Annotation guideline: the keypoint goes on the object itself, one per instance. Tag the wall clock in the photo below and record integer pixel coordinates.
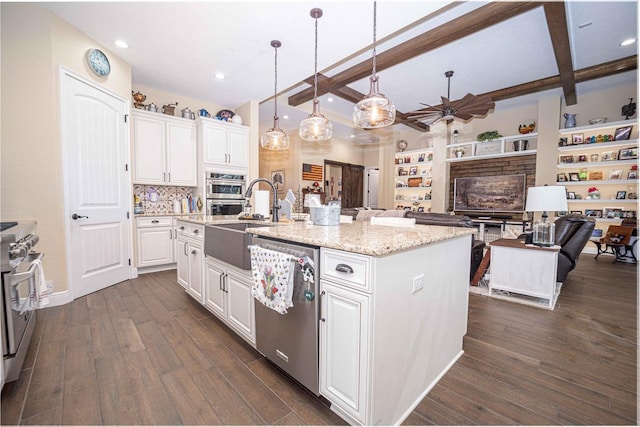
(402, 145)
(98, 62)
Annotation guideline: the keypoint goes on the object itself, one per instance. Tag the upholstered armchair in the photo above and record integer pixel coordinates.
(572, 234)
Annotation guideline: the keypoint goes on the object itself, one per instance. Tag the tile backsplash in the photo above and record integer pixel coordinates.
(166, 196)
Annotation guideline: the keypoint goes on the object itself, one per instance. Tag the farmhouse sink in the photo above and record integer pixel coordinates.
(228, 242)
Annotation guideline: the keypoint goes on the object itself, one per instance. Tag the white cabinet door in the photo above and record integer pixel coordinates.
(155, 246)
(195, 272)
(215, 144)
(237, 147)
(149, 151)
(240, 304)
(343, 348)
(182, 258)
(215, 296)
(182, 155)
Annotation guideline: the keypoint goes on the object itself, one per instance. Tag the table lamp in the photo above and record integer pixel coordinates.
(543, 199)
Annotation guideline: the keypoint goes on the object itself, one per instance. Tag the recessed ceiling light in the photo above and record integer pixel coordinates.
(121, 43)
(329, 99)
(220, 76)
(627, 42)
(352, 136)
(285, 117)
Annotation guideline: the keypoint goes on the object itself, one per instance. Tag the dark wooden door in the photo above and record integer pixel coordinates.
(352, 186)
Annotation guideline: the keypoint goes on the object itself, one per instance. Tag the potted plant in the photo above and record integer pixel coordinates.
(489, 135)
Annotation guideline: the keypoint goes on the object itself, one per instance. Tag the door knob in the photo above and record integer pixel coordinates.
(76, 216)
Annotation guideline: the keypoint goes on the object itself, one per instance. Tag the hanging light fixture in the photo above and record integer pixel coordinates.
(375, 110)
(275, 138)
(316, 127)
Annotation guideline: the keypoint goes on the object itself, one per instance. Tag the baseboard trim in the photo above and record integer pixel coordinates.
(156, 268)
(59, 298)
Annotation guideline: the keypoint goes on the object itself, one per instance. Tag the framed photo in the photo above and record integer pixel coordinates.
(426, 182)
(612, 212)
(620, 195)
(402, 172)
(420, 208)
(622, 133)
(594, 157)
(628, 153)
(566, 159)
(414, 182)
(595, 213)
(421, 157)
(413, 170)
(571, 195)
(577, 138)
(574, 176)
(615, 174)
(562, 177)
(632, 175)
(277, 177)
(582, 158)
(597, 232)
(430, 157)
(607, 156)
(596, 176)
(400, 161)
(577, 212)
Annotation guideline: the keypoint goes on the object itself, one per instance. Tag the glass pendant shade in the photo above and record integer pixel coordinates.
(375, 110)
(275, 138)
(316, 127)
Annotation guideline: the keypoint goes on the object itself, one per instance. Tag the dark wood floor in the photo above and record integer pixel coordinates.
(143, 352)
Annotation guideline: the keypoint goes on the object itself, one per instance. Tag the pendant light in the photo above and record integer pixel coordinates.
(275, 138)
(316, 127)
(375, 110)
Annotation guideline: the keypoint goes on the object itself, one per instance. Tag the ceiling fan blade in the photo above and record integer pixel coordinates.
(466, 100)
(430, 119)
(445, 102)
(463, 116)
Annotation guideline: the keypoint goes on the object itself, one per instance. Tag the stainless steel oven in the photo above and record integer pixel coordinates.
(19, 293)
(225, 206)
(225, 186)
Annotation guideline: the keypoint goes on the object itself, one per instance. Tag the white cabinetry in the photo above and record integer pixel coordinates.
(224, 144)
(228, 296)
(165, 150)
(190, 258)
(155, 241)
(506, 146)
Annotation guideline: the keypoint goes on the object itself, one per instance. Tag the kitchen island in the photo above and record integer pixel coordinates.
(394, 304)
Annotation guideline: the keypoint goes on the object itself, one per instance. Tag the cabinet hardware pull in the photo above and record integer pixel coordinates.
(169, 176)
(196, 231)
(220, 280)
(193, 252)
(225, 283)
(344, 268)
(185, 250)
(182, 228)
(322, 319)
(322, 293)
(155, 221)
(164, 177)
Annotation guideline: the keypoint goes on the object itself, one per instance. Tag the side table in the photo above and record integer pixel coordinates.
(519, 272)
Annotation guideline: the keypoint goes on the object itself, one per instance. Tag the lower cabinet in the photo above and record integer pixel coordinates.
(228, 296)
(155, 241)
(189, 258)
(344, 340)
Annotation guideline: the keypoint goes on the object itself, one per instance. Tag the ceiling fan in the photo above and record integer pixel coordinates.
(464, 109)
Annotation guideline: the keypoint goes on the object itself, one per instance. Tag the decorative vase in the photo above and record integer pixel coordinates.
(571, 120)
(237, 119)
(520, 145)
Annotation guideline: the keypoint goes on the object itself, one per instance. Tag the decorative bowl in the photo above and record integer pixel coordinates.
(598, 120)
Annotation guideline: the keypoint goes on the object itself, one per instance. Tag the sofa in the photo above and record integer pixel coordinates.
(429, 218)
(573, 231)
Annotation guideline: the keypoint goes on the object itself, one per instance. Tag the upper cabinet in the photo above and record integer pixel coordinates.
(506, 146)
(224, 144)
(165, 150)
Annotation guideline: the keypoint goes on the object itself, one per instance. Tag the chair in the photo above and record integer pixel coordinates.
(573, 231)
(620, 241)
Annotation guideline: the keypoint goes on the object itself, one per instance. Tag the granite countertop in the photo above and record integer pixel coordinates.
(360, 236)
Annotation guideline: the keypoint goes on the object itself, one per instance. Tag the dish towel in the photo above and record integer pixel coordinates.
(42, 287)
(272, 274)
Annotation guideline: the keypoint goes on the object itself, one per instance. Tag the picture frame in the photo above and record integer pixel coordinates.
(612, 213)
(420, 208)
(595, 213)
(277, 177)
(622, 133)
(596, 176)
(632, 175)
(608, 156)
(562, 177)
(574, 176)
(426, 182)
(413, 170)
(566, 159)
(414, 182)
(576, 212)
(582, 158)
(402, 172)
(628, 154)
(594, 157)
(621, 195)
(615, 174)
(430, 157)
(571, 195)
(577, 138)
(421, 157)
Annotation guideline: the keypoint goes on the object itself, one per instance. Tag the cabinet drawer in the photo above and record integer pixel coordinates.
(346, 268)
(154, 221)
(196, 231)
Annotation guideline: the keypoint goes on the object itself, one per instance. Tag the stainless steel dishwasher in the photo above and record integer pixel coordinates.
(291, 340)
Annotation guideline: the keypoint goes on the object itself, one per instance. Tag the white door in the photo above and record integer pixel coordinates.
(240, 302)
(155, 246)
(97, 184)
(215, 144)
(149, 151)
(215, 295)
(237, 147)
(182, 153)
(371, 188)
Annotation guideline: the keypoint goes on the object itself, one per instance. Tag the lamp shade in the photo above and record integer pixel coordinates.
(547, 198)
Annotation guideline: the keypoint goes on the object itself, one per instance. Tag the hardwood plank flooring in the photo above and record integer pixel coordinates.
(144, 352)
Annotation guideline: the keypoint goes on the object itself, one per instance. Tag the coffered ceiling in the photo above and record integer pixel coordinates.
(504, 49)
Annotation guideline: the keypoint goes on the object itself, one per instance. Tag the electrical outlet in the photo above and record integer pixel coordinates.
(418, 283)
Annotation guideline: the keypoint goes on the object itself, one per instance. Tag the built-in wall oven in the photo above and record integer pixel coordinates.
(19, 292)
(225, 193)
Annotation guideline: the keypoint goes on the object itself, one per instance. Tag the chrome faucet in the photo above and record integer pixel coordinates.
(276, 206)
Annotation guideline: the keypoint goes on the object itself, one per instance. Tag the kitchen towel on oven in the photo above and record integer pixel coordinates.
(272, 273)
(43, 288)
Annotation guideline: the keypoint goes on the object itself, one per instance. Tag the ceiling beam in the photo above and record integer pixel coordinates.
(556, 15)
(456, 29)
